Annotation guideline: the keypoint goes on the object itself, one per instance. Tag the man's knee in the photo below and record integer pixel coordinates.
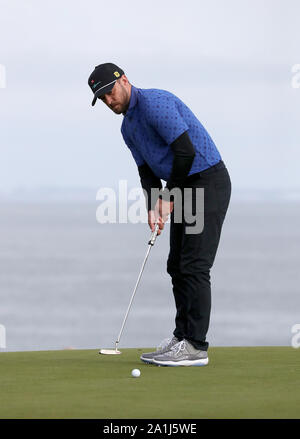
(199, 267)
(173, 268)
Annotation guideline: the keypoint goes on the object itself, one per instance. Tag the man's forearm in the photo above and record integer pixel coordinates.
(184, 153)
(149, 181)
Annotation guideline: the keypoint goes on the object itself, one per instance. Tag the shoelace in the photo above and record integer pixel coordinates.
(164, 343)
(177, 348)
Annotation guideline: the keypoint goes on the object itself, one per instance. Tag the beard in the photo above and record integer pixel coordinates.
(122, 107)
(118, 109)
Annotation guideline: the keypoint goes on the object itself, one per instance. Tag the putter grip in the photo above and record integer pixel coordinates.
(153, 235)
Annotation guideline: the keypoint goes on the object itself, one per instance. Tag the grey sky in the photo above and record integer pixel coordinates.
(230, 61)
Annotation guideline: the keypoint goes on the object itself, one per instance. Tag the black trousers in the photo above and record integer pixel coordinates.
(191, 255)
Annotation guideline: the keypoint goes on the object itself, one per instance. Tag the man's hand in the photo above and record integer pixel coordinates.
(160, 214)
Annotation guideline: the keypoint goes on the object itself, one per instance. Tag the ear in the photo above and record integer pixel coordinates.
(124, 80)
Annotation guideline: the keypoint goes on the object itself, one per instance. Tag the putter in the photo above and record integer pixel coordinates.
(150, 244)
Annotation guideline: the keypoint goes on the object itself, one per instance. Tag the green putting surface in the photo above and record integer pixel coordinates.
(255, 382)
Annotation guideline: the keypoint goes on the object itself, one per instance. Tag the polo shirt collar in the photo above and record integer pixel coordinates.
(133, 100)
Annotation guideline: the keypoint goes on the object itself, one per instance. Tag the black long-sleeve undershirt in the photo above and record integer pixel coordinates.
(184, 153)
(148, 181)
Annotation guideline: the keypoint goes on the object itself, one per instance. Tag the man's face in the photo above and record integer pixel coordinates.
(118, 98)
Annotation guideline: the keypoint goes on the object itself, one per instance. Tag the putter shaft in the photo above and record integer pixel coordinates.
(150, 244)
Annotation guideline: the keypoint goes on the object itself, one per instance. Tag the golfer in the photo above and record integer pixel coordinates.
(168, 142)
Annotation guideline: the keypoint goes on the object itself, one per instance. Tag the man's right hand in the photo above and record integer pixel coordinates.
(152, 218)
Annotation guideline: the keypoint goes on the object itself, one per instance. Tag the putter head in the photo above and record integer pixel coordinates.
(109, 351)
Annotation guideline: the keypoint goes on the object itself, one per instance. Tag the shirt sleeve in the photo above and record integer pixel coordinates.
(164, 117)
(149, 181)
(139, 160)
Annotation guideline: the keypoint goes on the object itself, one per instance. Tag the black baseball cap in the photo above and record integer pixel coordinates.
(103, 79)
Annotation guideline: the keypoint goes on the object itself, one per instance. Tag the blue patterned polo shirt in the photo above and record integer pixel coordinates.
(154, 119)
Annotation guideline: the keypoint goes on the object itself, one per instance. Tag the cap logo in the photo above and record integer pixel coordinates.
(117, 74)
(95, 85)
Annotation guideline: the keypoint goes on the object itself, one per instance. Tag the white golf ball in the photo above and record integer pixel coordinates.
(135, 373)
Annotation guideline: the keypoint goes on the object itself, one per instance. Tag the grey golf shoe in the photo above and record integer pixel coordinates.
(164, 347)
(182, 354)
